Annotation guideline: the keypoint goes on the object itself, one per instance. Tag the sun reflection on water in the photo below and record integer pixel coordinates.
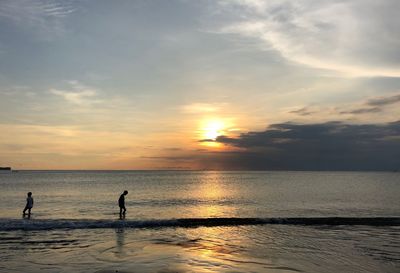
(215, 195)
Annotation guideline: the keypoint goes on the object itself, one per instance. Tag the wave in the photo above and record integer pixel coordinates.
(42, 224)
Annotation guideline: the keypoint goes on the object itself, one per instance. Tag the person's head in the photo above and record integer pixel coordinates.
(29, 194)
(125, 192)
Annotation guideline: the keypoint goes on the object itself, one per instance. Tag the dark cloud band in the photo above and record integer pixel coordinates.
(324, 146)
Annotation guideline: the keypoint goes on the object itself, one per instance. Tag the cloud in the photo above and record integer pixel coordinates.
(43, 15)
(375, 105)
(80, 94)
(353, 38)
(200, 108)
(77, 97)
(304, 111)
(16, 90)
(383, 101)
(322, 146)
(169, 158)
(173, 149)
(363, 111)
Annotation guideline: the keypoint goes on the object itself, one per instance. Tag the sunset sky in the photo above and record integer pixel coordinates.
(180, 84)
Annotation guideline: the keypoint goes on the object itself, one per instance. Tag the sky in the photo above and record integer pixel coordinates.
(200, 85)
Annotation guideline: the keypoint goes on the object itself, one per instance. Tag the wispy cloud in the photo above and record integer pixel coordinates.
(374, 105)
(353, 38)
(304, 111)
(16, 90)
(382, 101)
(365, 110)
(78, 94)
(200, 108)
(44, 15)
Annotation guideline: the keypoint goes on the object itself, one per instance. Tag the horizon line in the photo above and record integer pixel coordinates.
(198, 170)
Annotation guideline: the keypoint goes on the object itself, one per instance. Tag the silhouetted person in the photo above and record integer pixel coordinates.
(121, 203)
(29, 204)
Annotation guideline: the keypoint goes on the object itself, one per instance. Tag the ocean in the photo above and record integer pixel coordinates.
(200, 221)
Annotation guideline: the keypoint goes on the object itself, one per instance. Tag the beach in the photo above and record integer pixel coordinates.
(252, 136)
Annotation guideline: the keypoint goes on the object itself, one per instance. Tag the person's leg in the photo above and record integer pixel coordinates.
(23, 212)
(124, 210)
(120, 210)
(29, 211)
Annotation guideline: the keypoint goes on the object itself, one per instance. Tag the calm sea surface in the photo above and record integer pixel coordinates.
(75, 225)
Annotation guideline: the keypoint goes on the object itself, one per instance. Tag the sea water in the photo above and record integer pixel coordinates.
(181, 221)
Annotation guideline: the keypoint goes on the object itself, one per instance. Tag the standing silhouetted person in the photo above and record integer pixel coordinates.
(29, 204)
(121, 203)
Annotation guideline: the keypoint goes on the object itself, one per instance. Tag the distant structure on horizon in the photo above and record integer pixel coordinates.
(7, 169)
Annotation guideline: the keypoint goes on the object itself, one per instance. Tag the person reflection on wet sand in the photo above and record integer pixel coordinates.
(120, 241)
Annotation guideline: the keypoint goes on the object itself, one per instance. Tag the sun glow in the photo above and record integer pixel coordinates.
(210, 130)
(213, 129)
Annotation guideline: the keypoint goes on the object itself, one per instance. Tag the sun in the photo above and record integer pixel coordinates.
(212, 129)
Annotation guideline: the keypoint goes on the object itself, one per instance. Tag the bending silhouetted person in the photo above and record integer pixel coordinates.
(29, 204)
(121, 203)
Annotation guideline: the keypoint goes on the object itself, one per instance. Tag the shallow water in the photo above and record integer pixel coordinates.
(75, 227)
(171, 194)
